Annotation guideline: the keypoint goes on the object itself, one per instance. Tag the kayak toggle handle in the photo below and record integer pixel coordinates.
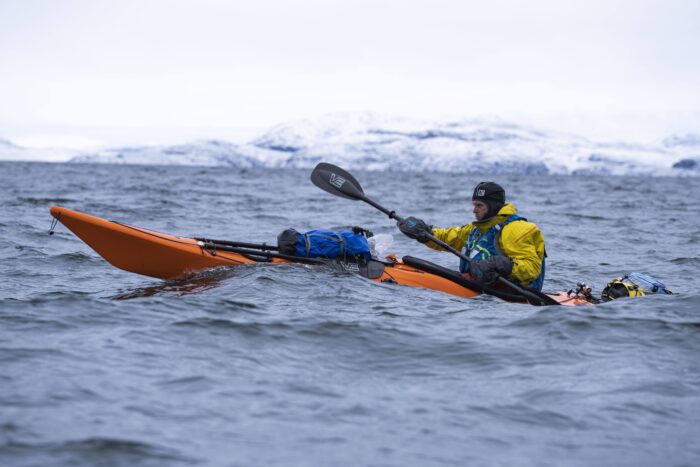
(54, 223)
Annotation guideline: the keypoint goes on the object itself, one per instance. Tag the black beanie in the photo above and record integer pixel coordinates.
(492, 194)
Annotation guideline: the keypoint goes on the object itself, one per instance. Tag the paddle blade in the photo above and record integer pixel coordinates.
(336, 181)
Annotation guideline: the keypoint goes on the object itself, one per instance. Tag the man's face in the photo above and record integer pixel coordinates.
(480, 210)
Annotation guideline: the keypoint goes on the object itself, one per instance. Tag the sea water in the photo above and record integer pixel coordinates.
(295, 365)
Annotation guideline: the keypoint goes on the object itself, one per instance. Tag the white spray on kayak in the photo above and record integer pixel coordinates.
(380, 245)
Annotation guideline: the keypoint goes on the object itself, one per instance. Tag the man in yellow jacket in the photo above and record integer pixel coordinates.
(499, 242)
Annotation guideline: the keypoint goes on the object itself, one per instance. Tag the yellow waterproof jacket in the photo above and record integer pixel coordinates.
(521, 241)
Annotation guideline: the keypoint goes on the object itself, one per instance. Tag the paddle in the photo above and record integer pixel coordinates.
(339, 182)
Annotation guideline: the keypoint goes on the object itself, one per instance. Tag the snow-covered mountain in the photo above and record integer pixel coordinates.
(379, 142)
(12, 152)
(199, 153)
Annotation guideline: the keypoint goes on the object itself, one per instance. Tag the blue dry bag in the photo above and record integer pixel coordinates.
(344, 245)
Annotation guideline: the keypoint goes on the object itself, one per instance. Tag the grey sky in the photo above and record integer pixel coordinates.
(253, 64)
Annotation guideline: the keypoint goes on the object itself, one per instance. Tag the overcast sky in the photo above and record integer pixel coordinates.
(614, 68)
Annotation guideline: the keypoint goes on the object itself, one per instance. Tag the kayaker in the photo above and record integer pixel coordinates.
(499, 242)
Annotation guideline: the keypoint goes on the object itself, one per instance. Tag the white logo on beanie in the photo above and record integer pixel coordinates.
(481, 193)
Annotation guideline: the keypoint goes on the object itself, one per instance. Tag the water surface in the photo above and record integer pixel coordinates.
(293, 365)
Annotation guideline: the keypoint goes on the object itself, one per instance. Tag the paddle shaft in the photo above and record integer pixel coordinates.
(528, 295)
(391, 214)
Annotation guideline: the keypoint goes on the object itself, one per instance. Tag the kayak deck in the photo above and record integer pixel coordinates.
(165, 256)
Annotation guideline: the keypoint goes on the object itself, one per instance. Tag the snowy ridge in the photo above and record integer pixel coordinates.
(11, 152)
(199, 153)
(379, 142)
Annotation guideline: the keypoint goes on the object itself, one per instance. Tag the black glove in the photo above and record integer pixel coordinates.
(488, 270)
(415, 228)
(361, 231)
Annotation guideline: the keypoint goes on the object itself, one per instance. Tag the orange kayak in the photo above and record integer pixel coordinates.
(165, 256)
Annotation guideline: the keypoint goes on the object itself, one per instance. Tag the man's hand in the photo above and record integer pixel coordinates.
(415, 228)
(488, 270)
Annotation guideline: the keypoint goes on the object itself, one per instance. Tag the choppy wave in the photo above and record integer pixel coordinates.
(92, 451)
